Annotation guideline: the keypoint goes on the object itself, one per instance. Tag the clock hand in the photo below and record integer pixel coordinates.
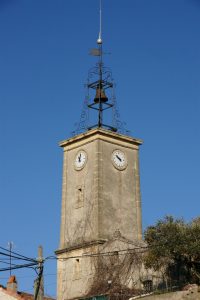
(79, 158)
(118, 157)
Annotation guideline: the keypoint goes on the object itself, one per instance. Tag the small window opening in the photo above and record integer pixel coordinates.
(79, 197)
(148, 286)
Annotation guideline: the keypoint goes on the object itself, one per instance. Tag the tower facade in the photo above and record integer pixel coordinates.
(100, 196)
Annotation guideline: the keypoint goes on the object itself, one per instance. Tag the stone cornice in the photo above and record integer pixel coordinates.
(80, 246)
(101, 134)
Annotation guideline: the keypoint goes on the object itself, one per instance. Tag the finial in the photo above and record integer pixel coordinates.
(100, 41)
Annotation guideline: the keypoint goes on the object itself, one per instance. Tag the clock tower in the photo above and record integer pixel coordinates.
(100, 196)
(101, 205)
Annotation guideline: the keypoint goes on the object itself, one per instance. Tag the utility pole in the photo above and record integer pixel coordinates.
(39, 282)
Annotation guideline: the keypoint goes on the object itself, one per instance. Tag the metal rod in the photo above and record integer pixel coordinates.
(100, 15)
(10, 246)
(100, 87)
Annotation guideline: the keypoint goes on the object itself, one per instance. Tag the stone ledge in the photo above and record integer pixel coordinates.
(80, 246)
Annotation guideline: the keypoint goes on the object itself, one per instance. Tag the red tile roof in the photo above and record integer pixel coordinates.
(20, 295)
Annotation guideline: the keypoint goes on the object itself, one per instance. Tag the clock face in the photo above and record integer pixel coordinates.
(119, 159)
(80, 160)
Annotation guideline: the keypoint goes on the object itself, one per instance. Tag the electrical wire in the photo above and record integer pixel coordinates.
(19, 258)
(7, 263)
(39, 281)
(35, 262)
(30, 276)
(19, 255)
(108, 253)
(111, 253)
(18, 267)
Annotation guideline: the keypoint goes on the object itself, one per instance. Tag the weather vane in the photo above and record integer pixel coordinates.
(100, 80)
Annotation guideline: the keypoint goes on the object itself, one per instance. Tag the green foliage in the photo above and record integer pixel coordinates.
(174, 249)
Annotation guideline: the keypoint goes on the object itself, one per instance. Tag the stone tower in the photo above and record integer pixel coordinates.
(101, 206)
(100, 196)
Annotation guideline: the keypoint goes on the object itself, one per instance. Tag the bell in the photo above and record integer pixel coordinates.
(100, 95)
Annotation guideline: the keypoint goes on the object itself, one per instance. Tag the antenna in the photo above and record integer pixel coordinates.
(10, 246)
(99, 41)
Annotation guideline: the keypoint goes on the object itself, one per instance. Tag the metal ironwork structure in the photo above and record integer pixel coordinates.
(101, 82)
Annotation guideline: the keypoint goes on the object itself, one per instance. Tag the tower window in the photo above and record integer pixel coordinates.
(77, 269)
(79, 202)
(148, 286)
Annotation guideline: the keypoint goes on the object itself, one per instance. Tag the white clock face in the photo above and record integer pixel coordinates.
(80, 160)
(119, 159)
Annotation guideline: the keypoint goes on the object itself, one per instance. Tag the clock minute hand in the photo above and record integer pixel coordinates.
(118, 157)
(79, 158)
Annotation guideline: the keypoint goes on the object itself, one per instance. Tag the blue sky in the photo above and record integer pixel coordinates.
(155, 59)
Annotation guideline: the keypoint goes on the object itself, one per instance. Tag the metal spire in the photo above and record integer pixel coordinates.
(99, 87)
(102, 82)
(100, 79)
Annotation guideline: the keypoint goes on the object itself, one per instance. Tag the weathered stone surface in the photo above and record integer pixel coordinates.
(97, 201)
(182, 295)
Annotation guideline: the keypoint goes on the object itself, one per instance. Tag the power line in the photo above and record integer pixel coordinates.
(30, 276)
(7, 263)
(35, 262)
(116, 252)
(19, 267)
(108, 253)
(19, 256)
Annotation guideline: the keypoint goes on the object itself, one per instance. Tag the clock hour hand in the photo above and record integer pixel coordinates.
(118, 158)
(79, 158)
